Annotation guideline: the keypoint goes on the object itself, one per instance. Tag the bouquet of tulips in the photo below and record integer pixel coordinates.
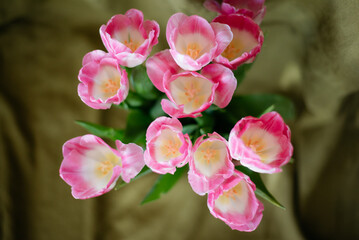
(182, 112)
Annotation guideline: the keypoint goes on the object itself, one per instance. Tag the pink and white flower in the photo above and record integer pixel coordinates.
(246, 43)
(166, 146)
(189, 92)
(261, 144)
(92, 168)
(103, 82)
(129, 38)
(254, 9)
(194, 42)
(235, 203)
(210, 163)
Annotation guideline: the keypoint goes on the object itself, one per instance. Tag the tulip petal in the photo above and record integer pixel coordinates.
(159, 64)
(227, 83)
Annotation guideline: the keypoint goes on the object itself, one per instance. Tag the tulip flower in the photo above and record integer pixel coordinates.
(210, 163)
(129, 38)
(261, 144)
(246, 44)
(235, 203)
(254, 9)
(92, 168)
(103, 82)
(194, 42)
(189, 92)
(166, 146)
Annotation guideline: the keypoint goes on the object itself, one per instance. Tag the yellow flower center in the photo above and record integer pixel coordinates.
(233, 50)
(111, 86)
(109, 161)
(170, 149)
(131, 44)
(193, 50)
(206, 154)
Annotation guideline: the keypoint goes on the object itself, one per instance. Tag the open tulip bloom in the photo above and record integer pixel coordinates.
(190, 93)
(246, 43)
(92, 168)
(235, 203)
(261, 144)
(103, 82)
(194, 42)
(210, 164)
(167, 147)
(200, 69)
(129, 38)
(254, 9)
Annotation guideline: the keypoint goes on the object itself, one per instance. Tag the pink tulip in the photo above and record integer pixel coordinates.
(261, 144)
(210, 163)
(129, 38)
(103, 82)
(246, 44)
(235, 203)
(194, 42)
(167, 147)
(254, 9)
(92, 168)
(190, 93)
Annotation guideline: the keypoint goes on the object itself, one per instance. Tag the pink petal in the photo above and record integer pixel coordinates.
(155, 127)
(132, 160)
(223, 36)
(158, 65)
(227, 83)
(94, 56)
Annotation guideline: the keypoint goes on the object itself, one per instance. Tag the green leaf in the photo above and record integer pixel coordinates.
(102, 131)
(133, 100)
(269, 109)
(189, 128)
(261, 189)
(256, 104)
(137, 124)
(163, 184)
(145, 170)
(241, 71)
(142, 84)
(156, 110)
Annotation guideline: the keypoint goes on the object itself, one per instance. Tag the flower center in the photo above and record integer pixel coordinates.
(111, 86)
(234, 200)
(192, 92)
(131, 44)
(262, 143)
(105, 167)
(107, 163)
(210, 157)
(171, 149)
(193, 50)
(231, 193)
(233, 50)
(168, 145)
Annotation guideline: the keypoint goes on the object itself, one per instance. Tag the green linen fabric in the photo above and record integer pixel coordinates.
(310, 54)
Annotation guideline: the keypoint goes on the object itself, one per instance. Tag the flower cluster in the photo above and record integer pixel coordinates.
(196, 72)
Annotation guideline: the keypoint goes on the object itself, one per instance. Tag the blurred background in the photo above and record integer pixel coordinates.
(310, 54)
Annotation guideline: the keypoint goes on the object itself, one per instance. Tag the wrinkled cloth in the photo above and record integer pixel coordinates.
(310, 54)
